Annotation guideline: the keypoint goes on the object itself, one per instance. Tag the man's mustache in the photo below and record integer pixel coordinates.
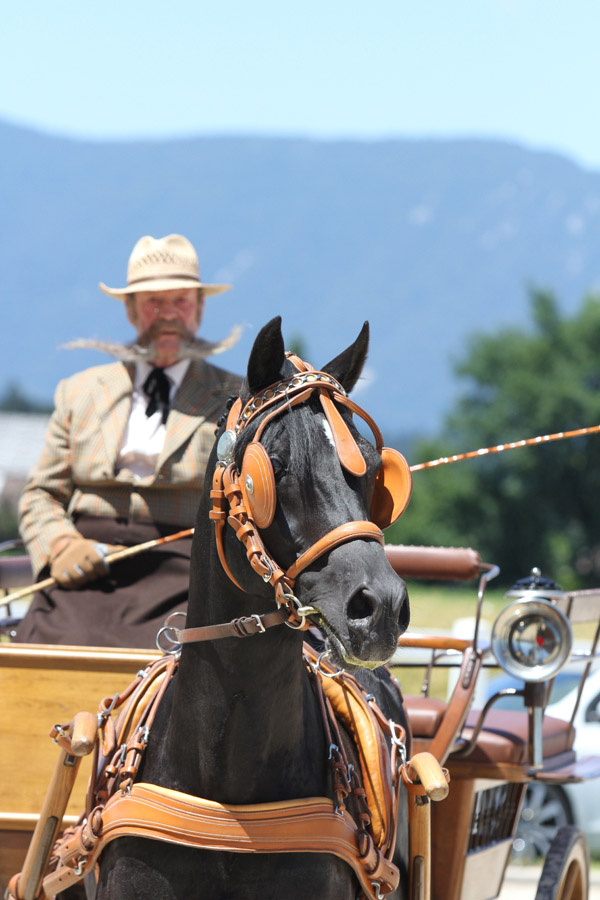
(159, 327)
(191, 347)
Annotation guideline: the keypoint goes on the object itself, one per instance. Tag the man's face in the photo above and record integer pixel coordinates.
(165, 320)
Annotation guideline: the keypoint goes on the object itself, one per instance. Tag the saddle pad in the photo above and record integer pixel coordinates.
(353, 711)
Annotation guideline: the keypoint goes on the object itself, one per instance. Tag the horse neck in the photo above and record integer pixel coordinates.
(244, 704)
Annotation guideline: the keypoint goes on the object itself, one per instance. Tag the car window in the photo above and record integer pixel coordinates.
(592, 713)
(564, 683)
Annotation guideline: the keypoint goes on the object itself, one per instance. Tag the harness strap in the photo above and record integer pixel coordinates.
(117, 806)
(245, 626)
(346, 532)
(226, 493)
(125, 741)
(346, 447)
(293, 826)
(218, 514)
(365, 723)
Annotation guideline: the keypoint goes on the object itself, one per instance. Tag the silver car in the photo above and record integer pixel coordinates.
(547, 808)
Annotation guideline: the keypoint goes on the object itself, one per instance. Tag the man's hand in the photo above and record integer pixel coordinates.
(80, 561)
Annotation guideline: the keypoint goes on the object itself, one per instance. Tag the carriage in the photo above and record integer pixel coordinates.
(275, 819)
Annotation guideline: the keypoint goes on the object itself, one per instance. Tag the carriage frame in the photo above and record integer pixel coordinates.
(490, 755)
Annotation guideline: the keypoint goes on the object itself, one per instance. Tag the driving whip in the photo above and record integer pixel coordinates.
(499, 448)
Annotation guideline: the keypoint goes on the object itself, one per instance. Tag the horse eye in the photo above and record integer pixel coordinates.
(277, 466)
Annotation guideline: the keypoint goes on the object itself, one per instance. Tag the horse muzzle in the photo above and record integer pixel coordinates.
(362, 616)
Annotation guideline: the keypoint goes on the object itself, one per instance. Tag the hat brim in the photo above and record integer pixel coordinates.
(163, 284)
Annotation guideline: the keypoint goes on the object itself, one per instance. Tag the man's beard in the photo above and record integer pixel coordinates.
(144, 347)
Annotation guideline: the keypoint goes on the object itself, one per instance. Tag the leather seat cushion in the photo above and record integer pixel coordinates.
(503, 738)
(424, 715)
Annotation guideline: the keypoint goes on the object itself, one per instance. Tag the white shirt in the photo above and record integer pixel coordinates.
(144, 435)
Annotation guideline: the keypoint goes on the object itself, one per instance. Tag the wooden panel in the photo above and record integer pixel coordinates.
(484, 871)
(41, 686)
(13, 847)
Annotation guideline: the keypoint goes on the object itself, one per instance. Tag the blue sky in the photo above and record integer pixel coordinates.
(523, 70)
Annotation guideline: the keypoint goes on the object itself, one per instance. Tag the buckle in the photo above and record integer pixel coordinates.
(242, 625)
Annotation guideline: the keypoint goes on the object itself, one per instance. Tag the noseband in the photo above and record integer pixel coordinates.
(233, 491)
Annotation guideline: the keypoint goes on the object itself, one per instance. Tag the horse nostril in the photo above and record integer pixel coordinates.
(362, 604)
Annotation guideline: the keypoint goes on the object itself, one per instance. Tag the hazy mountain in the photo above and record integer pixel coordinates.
(429, 240)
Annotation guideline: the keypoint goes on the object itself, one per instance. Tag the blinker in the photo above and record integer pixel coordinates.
(257, 481)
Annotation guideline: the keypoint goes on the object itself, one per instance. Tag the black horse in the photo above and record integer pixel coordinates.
(239, 723)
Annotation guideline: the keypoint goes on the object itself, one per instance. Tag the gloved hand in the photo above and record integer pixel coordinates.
(80, 561)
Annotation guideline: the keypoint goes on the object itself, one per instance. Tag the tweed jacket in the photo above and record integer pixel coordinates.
(76, 472)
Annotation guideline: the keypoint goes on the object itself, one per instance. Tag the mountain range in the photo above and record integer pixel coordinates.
(430, 240)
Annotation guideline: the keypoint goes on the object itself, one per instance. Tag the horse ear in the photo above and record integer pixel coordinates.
(266, 358)
(346, 367)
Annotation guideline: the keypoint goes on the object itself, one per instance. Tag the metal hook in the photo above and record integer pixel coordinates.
(394, 728)
(267, 576)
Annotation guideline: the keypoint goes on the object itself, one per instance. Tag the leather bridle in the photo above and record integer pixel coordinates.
(233, 502)
(230, 503)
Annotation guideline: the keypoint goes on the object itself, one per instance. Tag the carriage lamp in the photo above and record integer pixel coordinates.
(532, 639)
(535, 585)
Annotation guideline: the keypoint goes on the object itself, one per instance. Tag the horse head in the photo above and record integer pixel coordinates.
(309, 485)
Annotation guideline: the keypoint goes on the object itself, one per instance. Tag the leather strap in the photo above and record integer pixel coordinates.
(283, 390)
(347, 449)
(346, 532)
(294, 826)
(245, 626)
(365, 839)
(219, 514)
(359, 411)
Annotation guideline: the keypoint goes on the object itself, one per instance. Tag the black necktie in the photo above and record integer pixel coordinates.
(156, 388)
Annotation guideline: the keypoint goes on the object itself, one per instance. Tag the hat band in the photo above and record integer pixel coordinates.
(162, 278)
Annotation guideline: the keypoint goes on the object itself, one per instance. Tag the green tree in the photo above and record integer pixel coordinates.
(14, 399)
(530, 506)
(297, 344)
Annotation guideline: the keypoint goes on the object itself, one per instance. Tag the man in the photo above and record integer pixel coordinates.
(124, 462)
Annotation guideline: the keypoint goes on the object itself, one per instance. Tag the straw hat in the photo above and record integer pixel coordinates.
(162, 264)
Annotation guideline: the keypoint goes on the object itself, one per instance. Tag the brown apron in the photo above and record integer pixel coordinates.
(127, 606)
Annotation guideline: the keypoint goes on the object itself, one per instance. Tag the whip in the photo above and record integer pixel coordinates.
(433, 463)
(499, 448)
(118, 555)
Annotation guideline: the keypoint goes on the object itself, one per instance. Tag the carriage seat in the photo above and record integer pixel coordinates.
(503, 739)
